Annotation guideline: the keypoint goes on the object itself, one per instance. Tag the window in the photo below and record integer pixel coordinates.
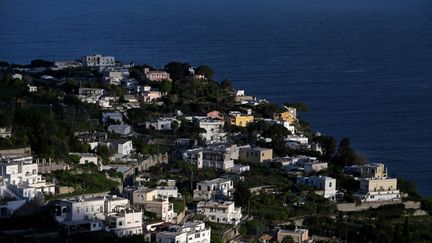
(330, 184)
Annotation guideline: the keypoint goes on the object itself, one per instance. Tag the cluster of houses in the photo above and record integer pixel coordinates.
(128, 215)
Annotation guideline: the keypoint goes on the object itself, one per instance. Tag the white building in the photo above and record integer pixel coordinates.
(32, 88)
(207, 158)
(124, 221)
(17, 76)
(86, 158)
(214, 130)
(109, 213)
(98, 61)
(167, 191)
(120, 129)
(325, 185)
(161, 124)
(217, 189)
(287, 125)
(122, 146)
(21, 179)
(220, 212)
(190, 232)
(239, 168)
(240, 92)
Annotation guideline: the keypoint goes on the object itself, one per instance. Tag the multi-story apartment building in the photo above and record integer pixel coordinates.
(217, 159)
(213, 130)
(220, 212)
(21, 179)
(150, 200)
(109, 213)
(217, 189)
(124, 221)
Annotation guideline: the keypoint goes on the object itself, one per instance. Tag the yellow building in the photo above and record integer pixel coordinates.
(241, 121)
(288, 116)
(378, 185)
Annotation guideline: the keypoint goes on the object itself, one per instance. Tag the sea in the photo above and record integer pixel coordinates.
(364, 67)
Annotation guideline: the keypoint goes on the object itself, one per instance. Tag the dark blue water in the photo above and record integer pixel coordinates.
(363, 66)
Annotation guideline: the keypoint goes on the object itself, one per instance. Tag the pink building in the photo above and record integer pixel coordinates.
(215, 115)
(149, 96)
(156, 75)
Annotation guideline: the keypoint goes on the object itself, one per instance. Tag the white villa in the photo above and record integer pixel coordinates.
(220, 188)
(190, 232)
(324, 184)
(20, 179)
(220, 212)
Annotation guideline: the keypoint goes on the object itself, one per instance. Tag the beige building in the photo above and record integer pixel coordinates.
(382, 189)
(374, 170)
(255, 155)
(298, 235)
(151, 201)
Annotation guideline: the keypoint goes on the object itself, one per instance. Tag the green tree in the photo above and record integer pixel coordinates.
(345, 154)
(177, 70)
(328, 145)
(205, 70)
(41, 63)
(166, 86)
(241, 195)
(288, 239)
(104, 152)
(300, 106)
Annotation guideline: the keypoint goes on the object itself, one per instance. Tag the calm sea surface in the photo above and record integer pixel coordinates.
(364, 67)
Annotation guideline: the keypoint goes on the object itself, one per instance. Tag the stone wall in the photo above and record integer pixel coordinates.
(352, 207)
(47, 168)
(18, 151)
